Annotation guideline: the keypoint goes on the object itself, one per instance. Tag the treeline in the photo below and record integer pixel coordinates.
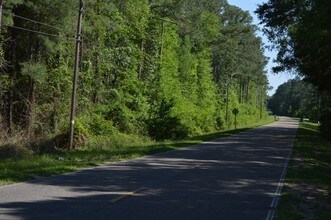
(166, 69)
(296, 98)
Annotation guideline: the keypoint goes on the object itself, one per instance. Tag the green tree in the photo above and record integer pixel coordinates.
(296, 98)
(300, 31)
(163, 68)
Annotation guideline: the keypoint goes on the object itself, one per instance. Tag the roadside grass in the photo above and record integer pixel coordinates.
(98, 151)
(307, 191)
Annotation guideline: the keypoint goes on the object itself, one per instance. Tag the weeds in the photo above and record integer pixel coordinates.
(308, 183)
(19, 163)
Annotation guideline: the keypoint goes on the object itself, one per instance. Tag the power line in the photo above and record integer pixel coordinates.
(39, 32)
(28, 19)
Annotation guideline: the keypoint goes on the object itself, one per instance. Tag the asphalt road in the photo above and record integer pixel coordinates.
(229, 178)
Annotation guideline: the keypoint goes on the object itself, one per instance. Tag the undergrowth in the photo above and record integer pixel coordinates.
(20, 163)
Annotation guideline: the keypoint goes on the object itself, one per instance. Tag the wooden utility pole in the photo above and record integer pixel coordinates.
(76, 70)
(227, 101)
(227, 97)
(261, 100)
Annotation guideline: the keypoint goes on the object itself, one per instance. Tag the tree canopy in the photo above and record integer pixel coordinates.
(296, 98)
(300, 30)
(166, 69)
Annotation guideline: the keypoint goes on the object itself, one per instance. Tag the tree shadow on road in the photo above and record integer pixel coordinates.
(234, 178)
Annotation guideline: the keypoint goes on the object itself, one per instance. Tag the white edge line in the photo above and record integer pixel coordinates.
(276, 197)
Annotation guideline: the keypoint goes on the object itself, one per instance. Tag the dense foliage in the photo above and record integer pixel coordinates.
(300, 30)
(163, 68)
(297, 98)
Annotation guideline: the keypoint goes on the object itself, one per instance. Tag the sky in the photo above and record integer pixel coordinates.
(274, 79)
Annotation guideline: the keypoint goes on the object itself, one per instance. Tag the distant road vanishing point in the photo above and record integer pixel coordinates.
(237, 177)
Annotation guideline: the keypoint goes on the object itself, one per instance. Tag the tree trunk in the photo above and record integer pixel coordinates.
(35, 56)
(240, 90)
(10, 102)
(247, 90)
(2, 104)
(95, 98)
(32, 101)
(227, 103)
(142, 49)
(54, 117)
(261, 102)
(97, 79)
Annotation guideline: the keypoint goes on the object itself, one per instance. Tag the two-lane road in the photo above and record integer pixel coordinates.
(230, 178)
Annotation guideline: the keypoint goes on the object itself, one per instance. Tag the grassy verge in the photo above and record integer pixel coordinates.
(98, 152)
(307, 191)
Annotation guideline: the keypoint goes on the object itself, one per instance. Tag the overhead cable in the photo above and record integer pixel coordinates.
(39, 32)
(28, 19)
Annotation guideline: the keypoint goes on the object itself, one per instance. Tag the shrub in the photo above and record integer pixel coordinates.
(92, 125)
(163, 125)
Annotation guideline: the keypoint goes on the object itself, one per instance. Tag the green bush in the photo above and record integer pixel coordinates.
(94, 124)
(163, 125)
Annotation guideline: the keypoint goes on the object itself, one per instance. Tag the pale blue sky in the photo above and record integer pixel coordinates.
(274, 79)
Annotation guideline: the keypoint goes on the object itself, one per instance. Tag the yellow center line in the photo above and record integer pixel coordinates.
(125, 195)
